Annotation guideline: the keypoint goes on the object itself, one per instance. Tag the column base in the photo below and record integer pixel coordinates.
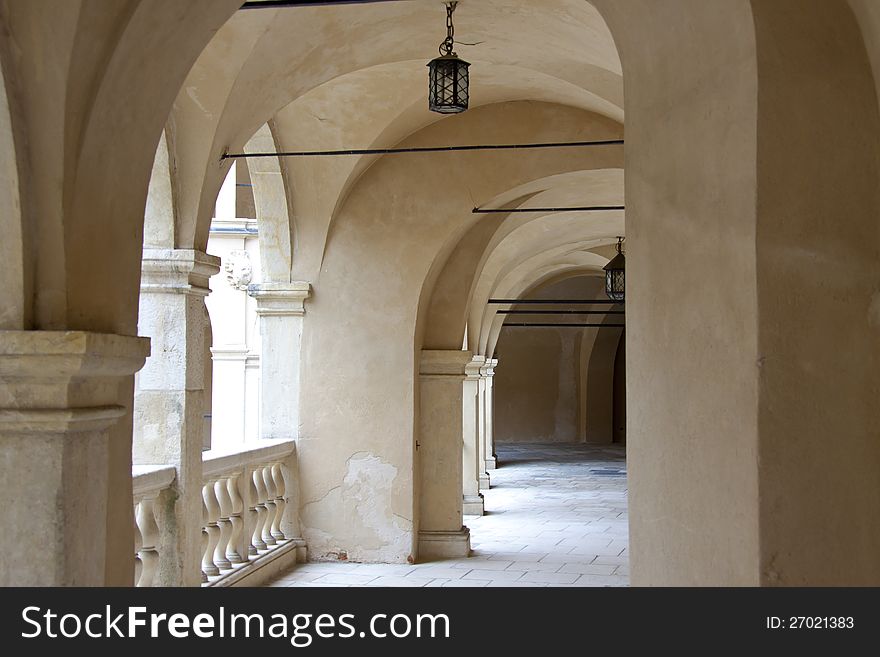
(484, 481)
(444, 545)
(472, 505)
(491, 463)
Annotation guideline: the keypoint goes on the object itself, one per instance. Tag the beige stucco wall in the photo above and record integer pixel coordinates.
(535, 386)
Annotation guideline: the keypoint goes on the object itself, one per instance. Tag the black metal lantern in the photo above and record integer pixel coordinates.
(448, 75)
(614, 275)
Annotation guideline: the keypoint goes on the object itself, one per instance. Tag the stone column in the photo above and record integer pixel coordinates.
(280, 307)
(170, 396)
(471, 463)
(439, 454)
(489, 414)
(483, 476)
(60, 394)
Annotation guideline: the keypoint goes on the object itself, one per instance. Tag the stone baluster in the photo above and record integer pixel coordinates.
(138, 544)
(146, 542)
(205, 539)
(249, 507)
(209, 567)
(223, 523)
(280, 501)
(234, 549)
(271, 508)
(260, 506)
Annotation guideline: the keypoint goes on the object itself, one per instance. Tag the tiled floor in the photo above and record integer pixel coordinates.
(556, 516)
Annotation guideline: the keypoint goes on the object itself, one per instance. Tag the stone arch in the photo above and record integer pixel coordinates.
(274, 204)
(14, 270)
(596, 356)
(452, 304)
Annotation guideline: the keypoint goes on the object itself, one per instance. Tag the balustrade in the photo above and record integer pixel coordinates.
(246, 511)
(148, 484)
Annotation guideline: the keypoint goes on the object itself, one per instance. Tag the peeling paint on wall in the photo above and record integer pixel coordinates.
(362, 505)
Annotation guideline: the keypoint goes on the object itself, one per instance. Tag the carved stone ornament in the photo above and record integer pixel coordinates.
(238, 269)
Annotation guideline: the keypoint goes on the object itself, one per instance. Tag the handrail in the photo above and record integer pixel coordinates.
(151, 478)
(218, 461)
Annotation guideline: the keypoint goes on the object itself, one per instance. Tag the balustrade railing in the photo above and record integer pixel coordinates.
(148, 484)
(248, 509)
(245, 510)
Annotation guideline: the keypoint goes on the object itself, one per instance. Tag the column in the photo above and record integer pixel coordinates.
(489, 416)
(60, 395)
(170, 395)
(483, 476)
(280, 307)
(471, 464)
(439, 455)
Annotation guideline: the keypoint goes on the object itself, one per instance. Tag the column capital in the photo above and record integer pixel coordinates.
(177, 271)
(488, 368)
(474, 368)
(444, 362)
(50, 370)
(60, 397)
(280, 299)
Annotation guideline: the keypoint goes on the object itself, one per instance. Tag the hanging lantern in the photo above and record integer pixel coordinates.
(448, 75)
(614, 275)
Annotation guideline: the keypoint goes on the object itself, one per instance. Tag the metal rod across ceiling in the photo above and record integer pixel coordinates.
(426, 149)
(277, 4)
(561, 312)
(582, 208)
(524, 325)
(552, 301)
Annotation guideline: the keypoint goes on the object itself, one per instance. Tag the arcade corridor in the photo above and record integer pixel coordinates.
(555, 516)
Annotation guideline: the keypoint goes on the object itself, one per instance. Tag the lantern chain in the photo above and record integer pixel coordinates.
(446, 48)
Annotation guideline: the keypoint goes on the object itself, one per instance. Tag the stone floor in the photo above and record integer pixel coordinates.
(555, 516)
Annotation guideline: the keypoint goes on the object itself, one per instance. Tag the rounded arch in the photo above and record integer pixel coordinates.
(274, 203)
(15, 310)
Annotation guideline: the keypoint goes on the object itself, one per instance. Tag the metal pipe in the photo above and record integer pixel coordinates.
(425, 149)
(524, 325)
(277, 4)
(561, 312)
(552, 301)
(583, 208)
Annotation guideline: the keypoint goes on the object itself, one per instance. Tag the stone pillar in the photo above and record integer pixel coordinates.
(170, 396)
(472, 465)
(483, 476)
(280, 307)
(60, 394)
(439, 454)
(489, 414)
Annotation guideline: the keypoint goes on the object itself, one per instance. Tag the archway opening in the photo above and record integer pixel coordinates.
(555, 506)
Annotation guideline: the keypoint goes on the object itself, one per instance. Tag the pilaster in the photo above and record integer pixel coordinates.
(489, 414)
(471, 464)
(439, 454)
(281, 308)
